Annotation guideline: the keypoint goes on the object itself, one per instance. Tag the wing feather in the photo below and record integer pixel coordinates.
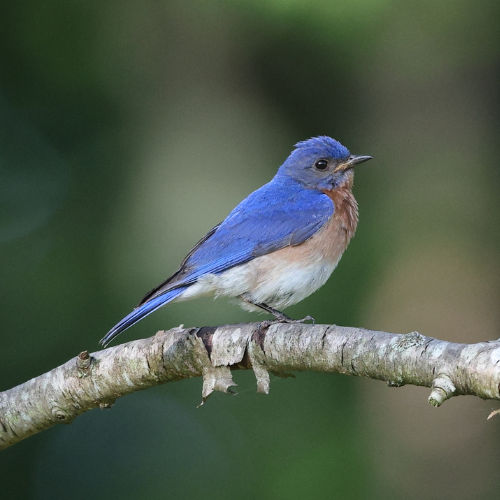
(273, 217)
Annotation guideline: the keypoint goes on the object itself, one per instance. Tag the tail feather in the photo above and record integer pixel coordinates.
(140, 312)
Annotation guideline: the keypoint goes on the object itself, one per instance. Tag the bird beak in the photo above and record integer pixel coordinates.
(351, 161)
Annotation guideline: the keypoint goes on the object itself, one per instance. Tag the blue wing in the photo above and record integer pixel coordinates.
(281, 213)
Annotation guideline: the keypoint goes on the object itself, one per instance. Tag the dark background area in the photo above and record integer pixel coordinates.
(128, 129)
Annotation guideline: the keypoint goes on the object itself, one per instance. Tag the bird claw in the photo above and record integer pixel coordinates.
(286, 319)
(308, 318)
(303, 320)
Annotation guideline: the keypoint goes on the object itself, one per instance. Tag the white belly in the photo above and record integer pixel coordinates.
(264, 280)
(288, 282)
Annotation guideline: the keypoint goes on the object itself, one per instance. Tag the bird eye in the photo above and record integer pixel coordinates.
(321, 164)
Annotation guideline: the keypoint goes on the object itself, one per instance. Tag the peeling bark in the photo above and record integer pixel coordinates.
(98, 379)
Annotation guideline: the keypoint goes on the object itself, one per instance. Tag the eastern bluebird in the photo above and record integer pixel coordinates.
(279, 245)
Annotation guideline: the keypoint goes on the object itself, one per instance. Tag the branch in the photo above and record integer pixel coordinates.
(97, 380)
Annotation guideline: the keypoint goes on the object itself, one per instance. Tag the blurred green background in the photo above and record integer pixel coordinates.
(128, 129)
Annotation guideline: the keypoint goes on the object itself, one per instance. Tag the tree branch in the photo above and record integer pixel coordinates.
(97, 380)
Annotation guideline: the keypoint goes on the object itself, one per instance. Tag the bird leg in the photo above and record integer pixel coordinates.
(280, 316)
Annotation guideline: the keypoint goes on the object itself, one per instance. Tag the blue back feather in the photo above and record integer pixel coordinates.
(279, 214)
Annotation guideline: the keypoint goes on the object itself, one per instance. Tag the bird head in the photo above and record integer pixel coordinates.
(320, 163)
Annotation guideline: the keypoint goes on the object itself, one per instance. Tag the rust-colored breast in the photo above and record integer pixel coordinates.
(329, 243)
(346, 210)
(339, 230)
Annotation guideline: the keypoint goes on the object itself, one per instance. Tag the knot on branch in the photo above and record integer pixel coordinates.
(442, 389)
(61, 415)
(83, 362)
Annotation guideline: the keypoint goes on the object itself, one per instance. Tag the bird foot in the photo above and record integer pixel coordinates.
(280, 317)
(302, 320)
(285, 319)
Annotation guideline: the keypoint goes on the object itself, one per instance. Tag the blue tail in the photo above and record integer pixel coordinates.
(141, 312)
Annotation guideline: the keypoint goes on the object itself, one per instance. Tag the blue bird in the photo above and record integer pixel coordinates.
(279, 245)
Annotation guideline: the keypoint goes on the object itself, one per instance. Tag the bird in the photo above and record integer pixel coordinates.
(276, 247)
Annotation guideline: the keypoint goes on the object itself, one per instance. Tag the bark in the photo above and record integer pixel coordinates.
(97, 380)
